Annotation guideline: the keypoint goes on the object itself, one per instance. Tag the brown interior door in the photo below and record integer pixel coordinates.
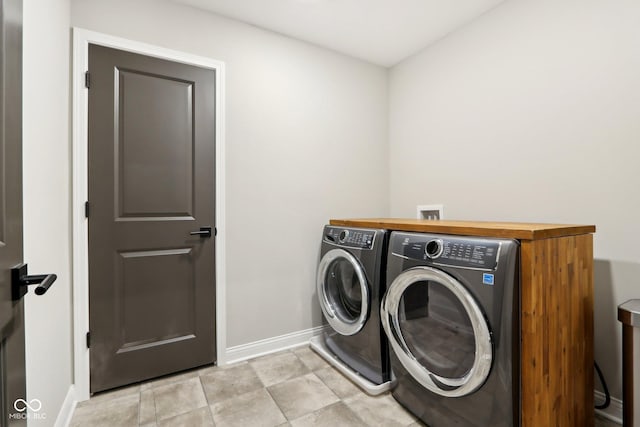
(12, 365)
(151, 187)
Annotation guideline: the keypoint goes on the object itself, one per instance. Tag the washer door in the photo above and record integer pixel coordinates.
(437, 331)
(343, 291)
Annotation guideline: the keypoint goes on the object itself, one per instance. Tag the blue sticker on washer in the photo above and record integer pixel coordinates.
(487, 278)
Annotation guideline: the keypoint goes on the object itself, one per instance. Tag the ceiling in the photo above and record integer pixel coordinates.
(383, 32)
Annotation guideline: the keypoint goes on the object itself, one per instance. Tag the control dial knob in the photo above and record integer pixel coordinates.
(433, 249)
(343, 236)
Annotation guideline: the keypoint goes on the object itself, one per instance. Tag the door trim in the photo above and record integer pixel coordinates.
(81, 40)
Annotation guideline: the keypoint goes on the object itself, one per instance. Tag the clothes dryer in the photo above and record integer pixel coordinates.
(451, 314)
(350, 284)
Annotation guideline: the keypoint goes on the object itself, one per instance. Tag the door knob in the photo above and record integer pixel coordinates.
(20, 281)
(203, 232)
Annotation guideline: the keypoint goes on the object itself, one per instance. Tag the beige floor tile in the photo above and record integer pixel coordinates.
(228, 383)
(302, 395)
(337, 382)
(121, 411)
(207, 370)
(380, 410)
(104, 396)
(169, 379)
(147, 407)
(334, 415)
(255, 408)
(310, 358)
(278, 367)
(178, 398)
(198, 418)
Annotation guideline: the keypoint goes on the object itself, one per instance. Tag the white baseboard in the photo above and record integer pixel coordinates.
(613, 412)
(68, 406)
(271, 345)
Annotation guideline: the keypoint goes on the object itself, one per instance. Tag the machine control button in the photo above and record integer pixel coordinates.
(351, 238)
(433, 248)
(473, 253)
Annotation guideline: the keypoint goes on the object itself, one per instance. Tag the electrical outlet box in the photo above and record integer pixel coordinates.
(430, 212)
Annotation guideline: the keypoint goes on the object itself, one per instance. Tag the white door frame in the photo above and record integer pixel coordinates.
(81, 40)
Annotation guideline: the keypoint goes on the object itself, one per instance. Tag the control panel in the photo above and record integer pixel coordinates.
(480, 254)
(349, 237)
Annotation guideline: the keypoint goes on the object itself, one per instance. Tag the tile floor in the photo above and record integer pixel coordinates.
(290, 388)
(294, 387)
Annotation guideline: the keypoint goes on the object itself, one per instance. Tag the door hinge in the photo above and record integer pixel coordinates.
(215, 231)
(86, 209)
(87, 80)
(88, 339)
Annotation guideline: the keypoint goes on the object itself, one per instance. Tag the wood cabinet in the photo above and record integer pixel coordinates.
(556, 312)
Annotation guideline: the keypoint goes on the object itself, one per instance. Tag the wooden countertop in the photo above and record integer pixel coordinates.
(510, 230)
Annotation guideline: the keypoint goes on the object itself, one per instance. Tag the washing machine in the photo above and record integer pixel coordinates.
(350, 285)
(451, 314)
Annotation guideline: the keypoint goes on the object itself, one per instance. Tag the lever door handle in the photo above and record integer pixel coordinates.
(20, 281)
(203, 232)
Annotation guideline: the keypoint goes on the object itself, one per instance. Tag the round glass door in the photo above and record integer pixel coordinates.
(343, 291)
(437, 331)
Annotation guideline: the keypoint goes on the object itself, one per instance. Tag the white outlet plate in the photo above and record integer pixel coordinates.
(431, 212)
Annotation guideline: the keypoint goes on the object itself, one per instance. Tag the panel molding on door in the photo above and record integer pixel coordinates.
(151, 165)
(138, 276)
(134, 200)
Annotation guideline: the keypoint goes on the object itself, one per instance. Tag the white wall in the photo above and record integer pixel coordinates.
(532, 113)
(306, 140)
(47, 231)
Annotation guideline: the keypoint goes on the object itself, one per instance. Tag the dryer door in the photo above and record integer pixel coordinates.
(343, 291)
(437, 331)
